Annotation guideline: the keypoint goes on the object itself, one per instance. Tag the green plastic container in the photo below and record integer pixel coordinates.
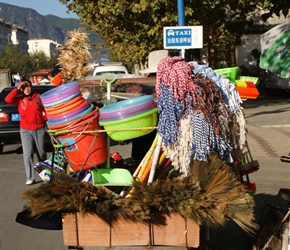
(143, 120)
(228, 73)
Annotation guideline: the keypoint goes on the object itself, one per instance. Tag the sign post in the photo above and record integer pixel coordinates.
(181, 19)
(183, 37)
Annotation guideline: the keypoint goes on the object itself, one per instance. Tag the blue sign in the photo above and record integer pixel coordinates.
(183, 37)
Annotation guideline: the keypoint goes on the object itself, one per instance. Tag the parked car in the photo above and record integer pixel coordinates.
(110, 67)
(9, 116)
(40, 76)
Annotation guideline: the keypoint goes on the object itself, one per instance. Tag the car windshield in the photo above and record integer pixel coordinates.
(111, 72)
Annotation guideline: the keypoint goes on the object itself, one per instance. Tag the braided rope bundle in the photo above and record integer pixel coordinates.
(227, 88)
(194, 114)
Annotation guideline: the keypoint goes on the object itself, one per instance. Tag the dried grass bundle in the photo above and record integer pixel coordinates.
(210, 196)
(74, 56)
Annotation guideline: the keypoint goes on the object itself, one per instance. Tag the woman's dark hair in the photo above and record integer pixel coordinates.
(25, 79)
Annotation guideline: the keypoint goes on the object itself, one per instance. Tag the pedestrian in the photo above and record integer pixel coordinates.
(32, 125)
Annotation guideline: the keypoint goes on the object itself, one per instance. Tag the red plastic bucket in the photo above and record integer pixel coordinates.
(85, 150)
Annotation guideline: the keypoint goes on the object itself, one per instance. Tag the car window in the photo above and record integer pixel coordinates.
(114, 72)
(39, 90)
(3, 94)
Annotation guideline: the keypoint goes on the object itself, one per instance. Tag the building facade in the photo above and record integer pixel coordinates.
(251, 40)
(45, 45)
(13, 34)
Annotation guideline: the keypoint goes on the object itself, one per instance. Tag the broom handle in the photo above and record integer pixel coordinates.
(146, 158)
(155, 160)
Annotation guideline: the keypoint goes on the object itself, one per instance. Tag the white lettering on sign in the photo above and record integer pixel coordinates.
(184, 37)
(179, 32)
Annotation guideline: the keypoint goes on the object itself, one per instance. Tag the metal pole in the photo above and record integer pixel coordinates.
(180, 9)
(181, 19)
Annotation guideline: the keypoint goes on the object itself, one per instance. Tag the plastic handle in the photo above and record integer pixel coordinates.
(105, 78)
(61, 132)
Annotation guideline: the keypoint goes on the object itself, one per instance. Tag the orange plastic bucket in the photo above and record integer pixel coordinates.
(85, 150)
(69, 112)
(64, 104)
(68, 107)
(79, 122)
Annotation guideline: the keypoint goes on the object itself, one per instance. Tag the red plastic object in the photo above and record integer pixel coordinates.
(85, 150)
(250, 84)
(248, 93)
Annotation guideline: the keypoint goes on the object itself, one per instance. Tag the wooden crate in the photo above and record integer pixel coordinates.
(164, 230)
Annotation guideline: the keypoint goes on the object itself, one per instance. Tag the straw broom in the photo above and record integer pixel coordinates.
(210, 196)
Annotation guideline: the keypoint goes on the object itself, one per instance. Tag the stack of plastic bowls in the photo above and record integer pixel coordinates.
(120, 118)
(67, 110)
(126, 108)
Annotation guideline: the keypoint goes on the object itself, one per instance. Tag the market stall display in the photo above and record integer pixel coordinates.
(193, 171)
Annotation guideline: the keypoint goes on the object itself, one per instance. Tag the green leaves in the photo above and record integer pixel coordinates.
(19, 62)
(131, 29)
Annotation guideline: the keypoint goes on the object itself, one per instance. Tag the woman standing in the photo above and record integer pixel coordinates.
(32, 125)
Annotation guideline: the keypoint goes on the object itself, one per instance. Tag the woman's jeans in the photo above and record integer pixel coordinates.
(33, 141)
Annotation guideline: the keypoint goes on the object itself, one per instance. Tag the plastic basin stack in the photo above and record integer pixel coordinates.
(76, 123)
(129, 119)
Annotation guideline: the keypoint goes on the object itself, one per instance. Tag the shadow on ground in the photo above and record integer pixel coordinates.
(268, 98)
(233, 237)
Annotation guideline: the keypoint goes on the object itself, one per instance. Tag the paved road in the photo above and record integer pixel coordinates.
(268, 122)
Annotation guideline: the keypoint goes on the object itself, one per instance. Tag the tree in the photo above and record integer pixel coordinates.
(131, 29)
(11, 57)
(14, 59)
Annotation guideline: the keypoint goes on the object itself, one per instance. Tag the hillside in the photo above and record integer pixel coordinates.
(39, 26)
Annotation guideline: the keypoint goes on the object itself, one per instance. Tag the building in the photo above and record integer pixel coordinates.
(13, 34)
(45, 45)
(251, 40)
(17, 35)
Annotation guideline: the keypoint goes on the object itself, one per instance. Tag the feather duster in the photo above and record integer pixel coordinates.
(210, 196)
(74, 56)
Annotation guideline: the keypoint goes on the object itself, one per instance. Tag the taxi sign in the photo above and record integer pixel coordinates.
(183, 37)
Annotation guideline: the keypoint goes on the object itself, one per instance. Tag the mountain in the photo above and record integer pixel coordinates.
(39, 26)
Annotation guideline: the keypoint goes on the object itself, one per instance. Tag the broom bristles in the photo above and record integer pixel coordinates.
(210, 196)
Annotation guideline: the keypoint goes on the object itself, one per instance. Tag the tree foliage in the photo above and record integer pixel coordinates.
(11, 57)
(131, 29)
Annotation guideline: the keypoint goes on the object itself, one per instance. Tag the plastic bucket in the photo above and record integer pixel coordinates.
(70, 88)
(130, 109)
(127, 104)
(64, 121)
(85, 150)
(59, 97)
(77, 122)
(62, 100)
(64, 106)
(143, 120)
(113, 108)
(122, 115)
(69, 113)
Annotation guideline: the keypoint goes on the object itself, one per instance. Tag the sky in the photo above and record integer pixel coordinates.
(43, 7)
